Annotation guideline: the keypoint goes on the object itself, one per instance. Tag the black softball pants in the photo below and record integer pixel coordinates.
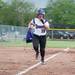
(39, 42)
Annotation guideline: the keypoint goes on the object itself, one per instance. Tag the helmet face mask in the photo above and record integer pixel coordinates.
(40, 16)
(40, 13)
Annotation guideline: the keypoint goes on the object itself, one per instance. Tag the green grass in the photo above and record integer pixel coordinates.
(50, 43)
(12, 43)
(15, 42)
(61, 44)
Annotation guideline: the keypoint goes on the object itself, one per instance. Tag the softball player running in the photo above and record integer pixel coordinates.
(39, 26)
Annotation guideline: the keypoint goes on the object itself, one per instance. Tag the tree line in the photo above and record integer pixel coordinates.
(20, 12)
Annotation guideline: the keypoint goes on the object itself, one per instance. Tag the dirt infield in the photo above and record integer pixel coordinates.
(14, 60)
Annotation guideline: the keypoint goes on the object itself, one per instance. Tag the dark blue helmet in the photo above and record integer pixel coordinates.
(41, 11)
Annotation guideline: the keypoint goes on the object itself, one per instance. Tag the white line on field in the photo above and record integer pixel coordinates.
(66, 50)
(35, 65)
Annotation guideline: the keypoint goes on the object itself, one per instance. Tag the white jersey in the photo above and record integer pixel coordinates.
(39, 29)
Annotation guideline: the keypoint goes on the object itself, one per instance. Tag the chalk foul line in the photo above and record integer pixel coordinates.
(35, 65)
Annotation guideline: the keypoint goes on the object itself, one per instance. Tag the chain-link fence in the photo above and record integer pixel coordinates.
(8, 32)
(19, 32)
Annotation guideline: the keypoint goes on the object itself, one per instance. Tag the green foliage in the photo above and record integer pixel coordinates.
(61, 11)
(20, 12)
(17, 12)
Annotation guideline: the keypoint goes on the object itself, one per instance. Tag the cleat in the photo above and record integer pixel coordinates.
(42, 61)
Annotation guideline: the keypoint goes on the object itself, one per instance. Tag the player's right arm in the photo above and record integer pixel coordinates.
(31, 25)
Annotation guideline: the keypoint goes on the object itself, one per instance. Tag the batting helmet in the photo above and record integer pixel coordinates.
(41, 11)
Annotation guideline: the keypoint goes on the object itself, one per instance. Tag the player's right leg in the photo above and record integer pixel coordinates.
(36, 45)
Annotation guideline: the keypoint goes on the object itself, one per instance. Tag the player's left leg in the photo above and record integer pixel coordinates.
(42, 47)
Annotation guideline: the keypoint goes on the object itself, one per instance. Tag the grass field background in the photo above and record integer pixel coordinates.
(61, 43)
(50, 43)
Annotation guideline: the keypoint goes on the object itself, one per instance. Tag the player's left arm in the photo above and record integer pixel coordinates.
(46, 25)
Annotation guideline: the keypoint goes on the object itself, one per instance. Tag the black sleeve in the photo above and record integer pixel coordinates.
(42, 21)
